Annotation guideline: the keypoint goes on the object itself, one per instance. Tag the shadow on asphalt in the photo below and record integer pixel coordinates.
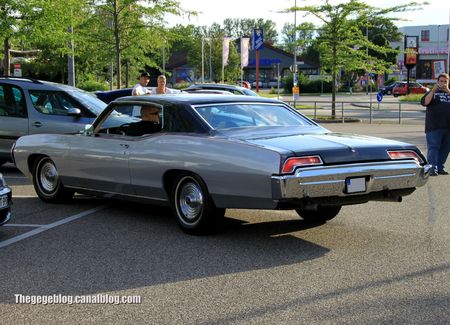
(130, 245)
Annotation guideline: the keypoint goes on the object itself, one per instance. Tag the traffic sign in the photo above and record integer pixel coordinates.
(296, 92)
(257, 39)
(379, 97)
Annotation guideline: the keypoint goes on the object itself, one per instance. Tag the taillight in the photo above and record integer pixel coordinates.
(405, 154)
(291, 163)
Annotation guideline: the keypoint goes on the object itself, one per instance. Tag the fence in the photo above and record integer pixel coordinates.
(394, 112)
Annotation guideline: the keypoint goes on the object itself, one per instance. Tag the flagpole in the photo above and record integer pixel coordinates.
(223, 66)
(448, 40)
(203, 59)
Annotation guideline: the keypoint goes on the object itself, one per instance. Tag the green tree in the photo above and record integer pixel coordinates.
(299, 38)
(237, 27)
(132, 29)
(341, 42)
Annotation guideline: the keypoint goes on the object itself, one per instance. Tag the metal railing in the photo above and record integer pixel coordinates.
(362, 110)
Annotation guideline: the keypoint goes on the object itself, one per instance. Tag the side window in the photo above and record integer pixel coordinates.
(51, 103)
(180, 120)
(3, 106)
(131, 120)
(20, 107)
(12, 102)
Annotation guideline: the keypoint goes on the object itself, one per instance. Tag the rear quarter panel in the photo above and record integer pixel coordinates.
(237, 174)
(55, 146)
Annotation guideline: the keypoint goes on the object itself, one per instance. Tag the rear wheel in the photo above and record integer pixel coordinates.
(47, 182)
(193, 207)
(321, 214)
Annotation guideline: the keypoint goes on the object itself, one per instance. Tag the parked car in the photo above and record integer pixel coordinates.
(207, 91)
(213, 152)
(274, 83)
(414, 88)
(5, 201)
(260, 84)
(237, 90)
(110, 95)
(29, 106)
(244, 84)
(387, 90)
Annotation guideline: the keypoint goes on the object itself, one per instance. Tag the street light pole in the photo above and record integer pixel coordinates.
(203, 59)
(295, 76)
(367, 55)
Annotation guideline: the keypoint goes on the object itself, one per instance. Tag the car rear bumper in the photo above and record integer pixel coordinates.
(336, 180)
(5, 210)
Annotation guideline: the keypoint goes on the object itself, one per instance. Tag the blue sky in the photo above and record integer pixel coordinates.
(436, 13)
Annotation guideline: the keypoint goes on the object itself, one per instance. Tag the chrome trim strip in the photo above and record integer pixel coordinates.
(5, 191)
(394, 176)
(8, 218)
(115, 193)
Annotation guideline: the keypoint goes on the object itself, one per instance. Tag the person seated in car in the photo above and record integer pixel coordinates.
(148, 124)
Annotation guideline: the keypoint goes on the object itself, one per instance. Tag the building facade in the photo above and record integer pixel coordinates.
(433, 50)
(272, 60)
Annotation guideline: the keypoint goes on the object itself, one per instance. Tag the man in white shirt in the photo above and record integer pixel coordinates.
(141, 88)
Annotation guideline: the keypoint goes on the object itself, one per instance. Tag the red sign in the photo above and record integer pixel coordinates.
(16, 65)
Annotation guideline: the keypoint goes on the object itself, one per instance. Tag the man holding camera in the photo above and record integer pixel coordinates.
(437, 124)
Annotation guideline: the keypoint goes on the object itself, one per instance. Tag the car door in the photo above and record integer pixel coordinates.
(152, 155)
(100, 163)
(100, 159)
(49, 113)
(13, 118)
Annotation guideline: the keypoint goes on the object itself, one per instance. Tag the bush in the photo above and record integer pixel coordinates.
(306, 85)
(92, 85)
(181, 85)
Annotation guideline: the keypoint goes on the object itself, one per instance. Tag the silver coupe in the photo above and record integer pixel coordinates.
(201, 154)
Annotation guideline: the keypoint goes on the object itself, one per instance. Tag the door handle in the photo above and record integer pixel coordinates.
(126, 146)
(37, 124)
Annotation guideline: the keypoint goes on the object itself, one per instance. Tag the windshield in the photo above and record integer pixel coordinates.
(89, 100)
(224, 116)
(249, 92)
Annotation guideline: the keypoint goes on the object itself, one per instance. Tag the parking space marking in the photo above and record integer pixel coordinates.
(22, 225)
(50, 226)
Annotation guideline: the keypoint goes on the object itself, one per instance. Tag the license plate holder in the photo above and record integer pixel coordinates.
(3, 201)
(355, 185)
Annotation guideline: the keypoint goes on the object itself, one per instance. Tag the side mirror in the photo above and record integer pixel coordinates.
(88, 129)
(75, 112)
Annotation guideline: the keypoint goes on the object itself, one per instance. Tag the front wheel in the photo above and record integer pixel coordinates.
(47, 182)
(321, 214)
(193, 207)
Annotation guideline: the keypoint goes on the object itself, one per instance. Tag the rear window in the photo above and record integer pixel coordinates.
(224, 116)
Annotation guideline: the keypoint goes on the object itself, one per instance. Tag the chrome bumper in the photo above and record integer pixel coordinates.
(6, 211)
(325, 181)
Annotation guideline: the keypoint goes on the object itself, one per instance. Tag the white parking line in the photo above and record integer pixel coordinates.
(49, 226)
(22, 225)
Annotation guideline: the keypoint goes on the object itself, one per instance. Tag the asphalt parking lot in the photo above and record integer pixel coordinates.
(379, 262)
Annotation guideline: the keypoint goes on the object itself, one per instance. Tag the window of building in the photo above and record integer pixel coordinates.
(425, 36)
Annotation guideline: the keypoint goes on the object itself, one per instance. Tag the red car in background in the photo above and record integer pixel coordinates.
(414, 88)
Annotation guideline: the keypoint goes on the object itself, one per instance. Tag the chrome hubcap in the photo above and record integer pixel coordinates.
(48, 177)
(191, 201)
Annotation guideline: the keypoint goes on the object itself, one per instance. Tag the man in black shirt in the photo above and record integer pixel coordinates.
(149, 122)
(437, 124)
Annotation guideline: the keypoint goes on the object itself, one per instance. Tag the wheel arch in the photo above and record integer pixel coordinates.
(32, 160)
(171, 175)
